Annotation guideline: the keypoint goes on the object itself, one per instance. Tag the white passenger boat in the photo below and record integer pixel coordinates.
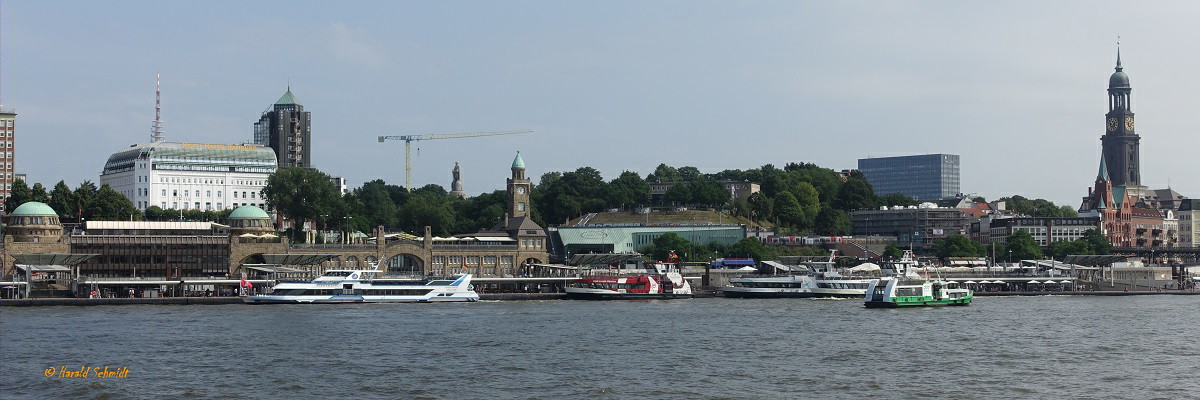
(361, 286)
(770, 286)
(829, 282)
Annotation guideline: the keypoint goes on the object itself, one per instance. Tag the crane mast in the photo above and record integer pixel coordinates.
(408, 139)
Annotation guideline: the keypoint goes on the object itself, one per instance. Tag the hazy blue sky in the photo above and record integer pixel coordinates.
(1016, 88)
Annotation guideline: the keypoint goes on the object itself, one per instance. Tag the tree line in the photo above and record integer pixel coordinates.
(86, 202)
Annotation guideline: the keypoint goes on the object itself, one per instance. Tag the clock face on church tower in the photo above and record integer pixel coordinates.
(520, 190)
(1112, 124)
(1129, 123)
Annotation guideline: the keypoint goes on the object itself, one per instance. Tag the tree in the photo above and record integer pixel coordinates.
(1037, 207)
(667, 243)
(957, 245)
(761, 206)
(20, 194)
(787, 210)
(1021, 246)
(628, 190)
(664, 173)
(1061, 249)
(678, 195)
(83, 196)
(748, 248)
(855, 194)
(38, 194)
(832, 222)
(896, 199)
(62, 200)
(1097, 242)
(108, 205)
(707, 191)
(810, 203)
(892, 252)
(688, 174)
(377, 205)
(300, 194)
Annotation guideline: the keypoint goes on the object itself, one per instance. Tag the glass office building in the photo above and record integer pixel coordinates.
(924, 177)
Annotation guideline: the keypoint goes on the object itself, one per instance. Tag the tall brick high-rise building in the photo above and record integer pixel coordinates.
(285, 128)
(8, 138)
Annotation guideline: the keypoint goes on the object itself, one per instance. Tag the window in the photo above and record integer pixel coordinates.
(175, 193)
(218, 193)
(207, 193)
(164, 192)
(185, 193)
(252, 195)
(235, 195)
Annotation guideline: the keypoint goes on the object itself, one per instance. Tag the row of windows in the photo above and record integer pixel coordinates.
(471, 260)
(142, 205)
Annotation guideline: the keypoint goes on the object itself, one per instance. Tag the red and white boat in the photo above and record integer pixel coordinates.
(662, 282)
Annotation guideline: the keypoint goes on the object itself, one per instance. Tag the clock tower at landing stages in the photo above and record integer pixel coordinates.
(1120, 142)
(518, 189)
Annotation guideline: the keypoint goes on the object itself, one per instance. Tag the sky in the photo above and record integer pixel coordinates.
(1017, 89)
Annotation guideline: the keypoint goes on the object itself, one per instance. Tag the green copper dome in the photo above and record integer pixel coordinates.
(249, 212)
(34, 209)
(518, 162)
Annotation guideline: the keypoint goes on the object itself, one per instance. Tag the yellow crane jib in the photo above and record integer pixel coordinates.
(408, 139)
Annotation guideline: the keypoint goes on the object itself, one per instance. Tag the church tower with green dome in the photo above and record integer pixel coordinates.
(1120, 140)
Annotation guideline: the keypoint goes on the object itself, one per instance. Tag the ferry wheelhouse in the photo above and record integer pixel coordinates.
(662, 281)
(903, 292)
(362, 286)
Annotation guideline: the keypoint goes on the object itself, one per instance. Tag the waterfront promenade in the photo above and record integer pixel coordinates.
(49, 302)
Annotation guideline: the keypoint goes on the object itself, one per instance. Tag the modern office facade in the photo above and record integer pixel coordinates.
(916, 226)
(190, 176)
(286, 129)
(8, 139)
(922, 177)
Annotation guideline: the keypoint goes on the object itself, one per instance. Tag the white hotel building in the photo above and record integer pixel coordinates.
(190, 176)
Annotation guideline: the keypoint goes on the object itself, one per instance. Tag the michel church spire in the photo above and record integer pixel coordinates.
(1120, 141)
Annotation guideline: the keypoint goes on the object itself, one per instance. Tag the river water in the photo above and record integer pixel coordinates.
(1027, 347)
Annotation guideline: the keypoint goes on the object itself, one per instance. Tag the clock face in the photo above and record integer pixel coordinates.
(520, 190)
(1112, 124)
(1129, 123)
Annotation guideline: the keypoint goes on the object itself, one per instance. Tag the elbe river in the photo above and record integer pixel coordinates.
(713, 348)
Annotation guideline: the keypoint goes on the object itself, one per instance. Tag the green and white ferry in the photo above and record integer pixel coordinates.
(908, 292)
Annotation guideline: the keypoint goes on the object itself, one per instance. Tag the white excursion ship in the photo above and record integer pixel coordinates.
(361, 286)
(832, 283)
(770, 286)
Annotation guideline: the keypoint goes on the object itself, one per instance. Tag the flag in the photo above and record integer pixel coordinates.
(247, 285)
(673, 255)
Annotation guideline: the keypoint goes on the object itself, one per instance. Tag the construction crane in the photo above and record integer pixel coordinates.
(408, 139)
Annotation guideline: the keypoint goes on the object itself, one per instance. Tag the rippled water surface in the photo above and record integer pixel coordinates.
(1034, 347)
